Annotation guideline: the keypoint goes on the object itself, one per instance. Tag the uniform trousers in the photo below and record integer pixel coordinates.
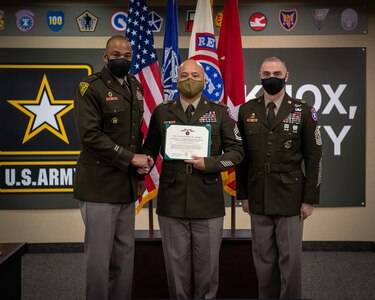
(277, 254)
(109, 249)
(187, 244)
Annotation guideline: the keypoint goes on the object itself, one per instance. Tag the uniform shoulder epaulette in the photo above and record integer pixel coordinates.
(300, 101)
(133, 78)
(164, 103)
(219, 103)
(85, 83)
(92, 77)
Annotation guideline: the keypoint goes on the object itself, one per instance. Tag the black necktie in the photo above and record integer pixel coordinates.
(271, 113)
(189, 112)
(126, 85)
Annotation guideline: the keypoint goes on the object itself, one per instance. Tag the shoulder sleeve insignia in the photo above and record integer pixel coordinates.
(314, 115)
(83, 86)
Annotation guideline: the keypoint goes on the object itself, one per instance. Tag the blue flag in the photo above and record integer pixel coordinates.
(171, 52)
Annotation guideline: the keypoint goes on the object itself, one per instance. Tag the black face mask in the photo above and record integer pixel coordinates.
(119, 67)
(273, 85)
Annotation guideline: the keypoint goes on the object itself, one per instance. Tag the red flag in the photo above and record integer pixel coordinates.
(232, 70)
(145, 68)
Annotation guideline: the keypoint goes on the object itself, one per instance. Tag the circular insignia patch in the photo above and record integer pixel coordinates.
(257, 21)
(119, 21)
(25, 20)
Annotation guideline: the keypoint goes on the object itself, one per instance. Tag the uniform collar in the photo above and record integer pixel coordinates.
(185, 104)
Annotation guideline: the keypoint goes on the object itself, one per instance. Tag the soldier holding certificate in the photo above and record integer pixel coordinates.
(190, 203)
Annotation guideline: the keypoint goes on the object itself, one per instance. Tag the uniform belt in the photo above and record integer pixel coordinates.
(275, 168)
(184, 169)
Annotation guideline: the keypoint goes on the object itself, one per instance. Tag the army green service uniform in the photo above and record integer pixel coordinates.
(190, 201)
(281, 170)
(108, 116)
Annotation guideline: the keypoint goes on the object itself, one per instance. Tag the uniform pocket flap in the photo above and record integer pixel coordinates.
(113, 109)
(253, 129)
(291, 177)
(211, 178)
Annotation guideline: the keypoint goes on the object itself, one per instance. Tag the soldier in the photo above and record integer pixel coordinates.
(190, 203)
(108, 113)
(279, 180)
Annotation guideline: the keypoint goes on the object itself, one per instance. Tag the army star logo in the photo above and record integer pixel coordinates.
(45, 113)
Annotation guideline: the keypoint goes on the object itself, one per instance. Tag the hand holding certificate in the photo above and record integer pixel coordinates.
(186, 141)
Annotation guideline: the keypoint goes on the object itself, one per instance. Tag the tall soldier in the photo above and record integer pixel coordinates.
(108, 113)
(279, 179)
(190, 203)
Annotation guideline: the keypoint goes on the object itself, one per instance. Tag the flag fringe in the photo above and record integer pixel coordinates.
(151, 195)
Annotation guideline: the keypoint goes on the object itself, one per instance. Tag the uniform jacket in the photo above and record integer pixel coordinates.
(187, 192)
(282, 165)
(108, 119)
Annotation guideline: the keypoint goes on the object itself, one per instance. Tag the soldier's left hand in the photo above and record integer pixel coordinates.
(306, 211)
(197, 162)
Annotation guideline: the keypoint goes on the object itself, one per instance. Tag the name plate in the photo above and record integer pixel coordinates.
(184, 141)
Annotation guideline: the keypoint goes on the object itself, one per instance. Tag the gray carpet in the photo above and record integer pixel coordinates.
(326, 275)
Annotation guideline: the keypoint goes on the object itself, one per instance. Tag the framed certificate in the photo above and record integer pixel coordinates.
(184, 141)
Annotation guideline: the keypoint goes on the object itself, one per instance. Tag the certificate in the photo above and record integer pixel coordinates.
(184, 141)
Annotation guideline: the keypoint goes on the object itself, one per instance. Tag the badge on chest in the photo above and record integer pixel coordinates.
(252, 119)
(209, 117)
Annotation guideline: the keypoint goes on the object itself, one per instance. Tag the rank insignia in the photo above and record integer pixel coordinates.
(209, 117)
(115, 121)
(318, 137)
(288, 19)
(83, 86)
(288, 144)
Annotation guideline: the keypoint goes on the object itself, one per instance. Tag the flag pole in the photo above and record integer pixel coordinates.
(233, 215)
(151, 218)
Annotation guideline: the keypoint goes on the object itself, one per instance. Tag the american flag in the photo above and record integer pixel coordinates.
(145, 68)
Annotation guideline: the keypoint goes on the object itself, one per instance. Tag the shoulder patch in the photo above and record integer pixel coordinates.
(83, 86)
(314, 115)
